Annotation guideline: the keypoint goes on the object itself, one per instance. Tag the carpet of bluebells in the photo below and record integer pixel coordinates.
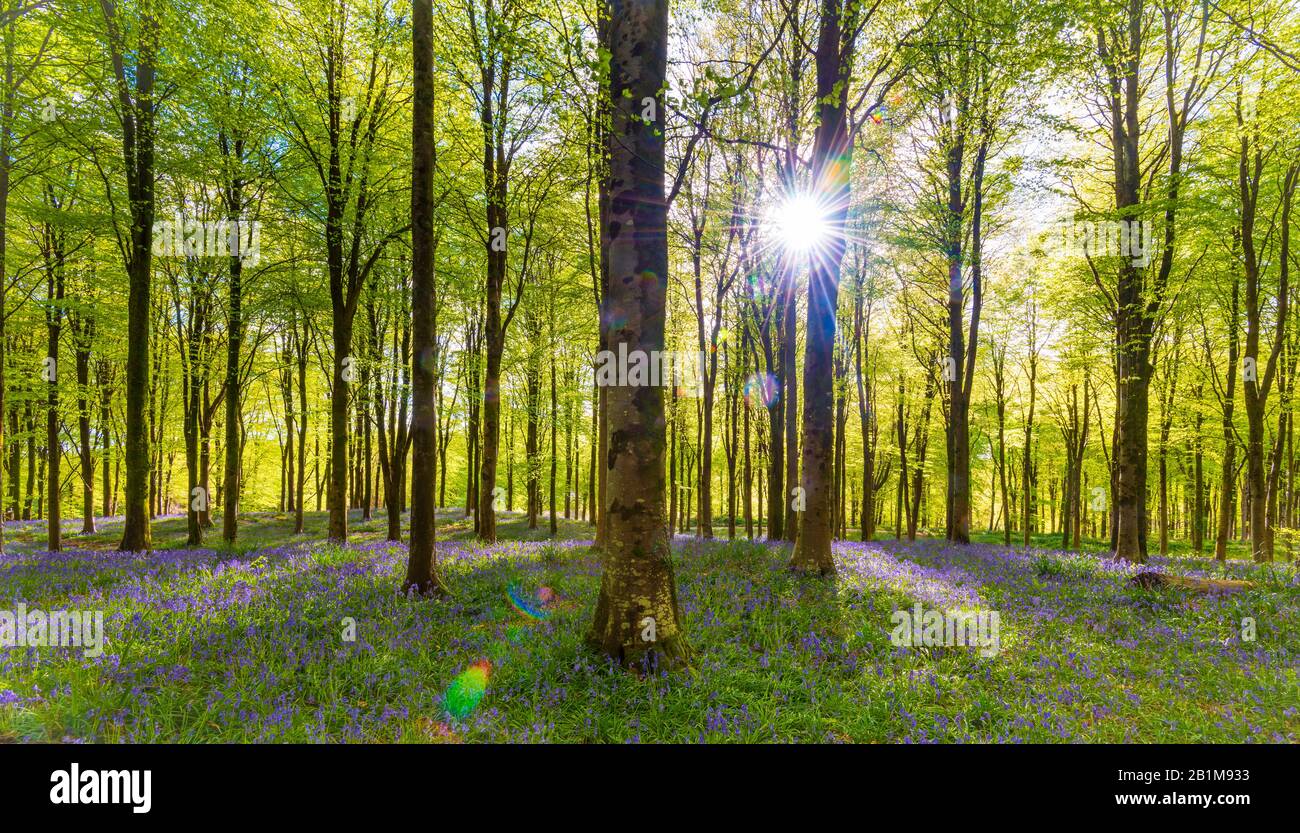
(206, 645)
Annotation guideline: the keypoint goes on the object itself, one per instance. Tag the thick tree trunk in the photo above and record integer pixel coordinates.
(569, 461)
(495, 184)
(532, 441)
(636, 612)
(921, 442)
(205, 452)
(30, 492)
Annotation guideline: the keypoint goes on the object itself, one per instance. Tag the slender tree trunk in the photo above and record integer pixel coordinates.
(1227, 485)
(832, 154)
(234, 395)
(137, 113)
(421, 569)
(54, 326)
(555, 529)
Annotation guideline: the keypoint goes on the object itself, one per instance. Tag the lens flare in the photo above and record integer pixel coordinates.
(615, 321)
(467, 689)
(762, 389)
(532, 608)
(799, 223)
(758, 289)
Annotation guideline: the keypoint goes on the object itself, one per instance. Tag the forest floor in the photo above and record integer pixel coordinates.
(250, 644)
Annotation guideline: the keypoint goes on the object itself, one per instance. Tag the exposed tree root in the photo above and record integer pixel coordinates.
(1149, 580)
(812, 570)
(672, 652)
(431, 588)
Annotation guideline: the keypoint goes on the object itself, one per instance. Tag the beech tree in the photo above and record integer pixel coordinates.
(636, 612)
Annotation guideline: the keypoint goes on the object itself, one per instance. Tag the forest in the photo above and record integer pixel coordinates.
(618, 370)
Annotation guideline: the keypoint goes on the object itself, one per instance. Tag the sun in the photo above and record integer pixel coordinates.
(799, 223)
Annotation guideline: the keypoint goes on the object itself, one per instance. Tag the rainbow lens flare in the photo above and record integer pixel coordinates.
(467, 689)
(531, 608)
(762, 389)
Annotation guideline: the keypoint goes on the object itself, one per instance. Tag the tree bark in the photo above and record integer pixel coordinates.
(137, 111)
(637, 615)
(833, 156)
(421, 569)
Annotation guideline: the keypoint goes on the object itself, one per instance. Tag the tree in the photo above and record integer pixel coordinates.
(636, 612)
(421, 570)
(832, 160)
(18, 67)
(1140, 298)
(338, 119)
(137, 110)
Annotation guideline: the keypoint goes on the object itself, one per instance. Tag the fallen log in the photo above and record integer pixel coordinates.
(1149, 580)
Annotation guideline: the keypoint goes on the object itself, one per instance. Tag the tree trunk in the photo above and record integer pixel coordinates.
(138, 153)
(636, 614)
(833, 153)
(54, 325)
(234, 396)
(421, 569)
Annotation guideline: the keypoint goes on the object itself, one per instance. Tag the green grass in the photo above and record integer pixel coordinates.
(238, 648)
